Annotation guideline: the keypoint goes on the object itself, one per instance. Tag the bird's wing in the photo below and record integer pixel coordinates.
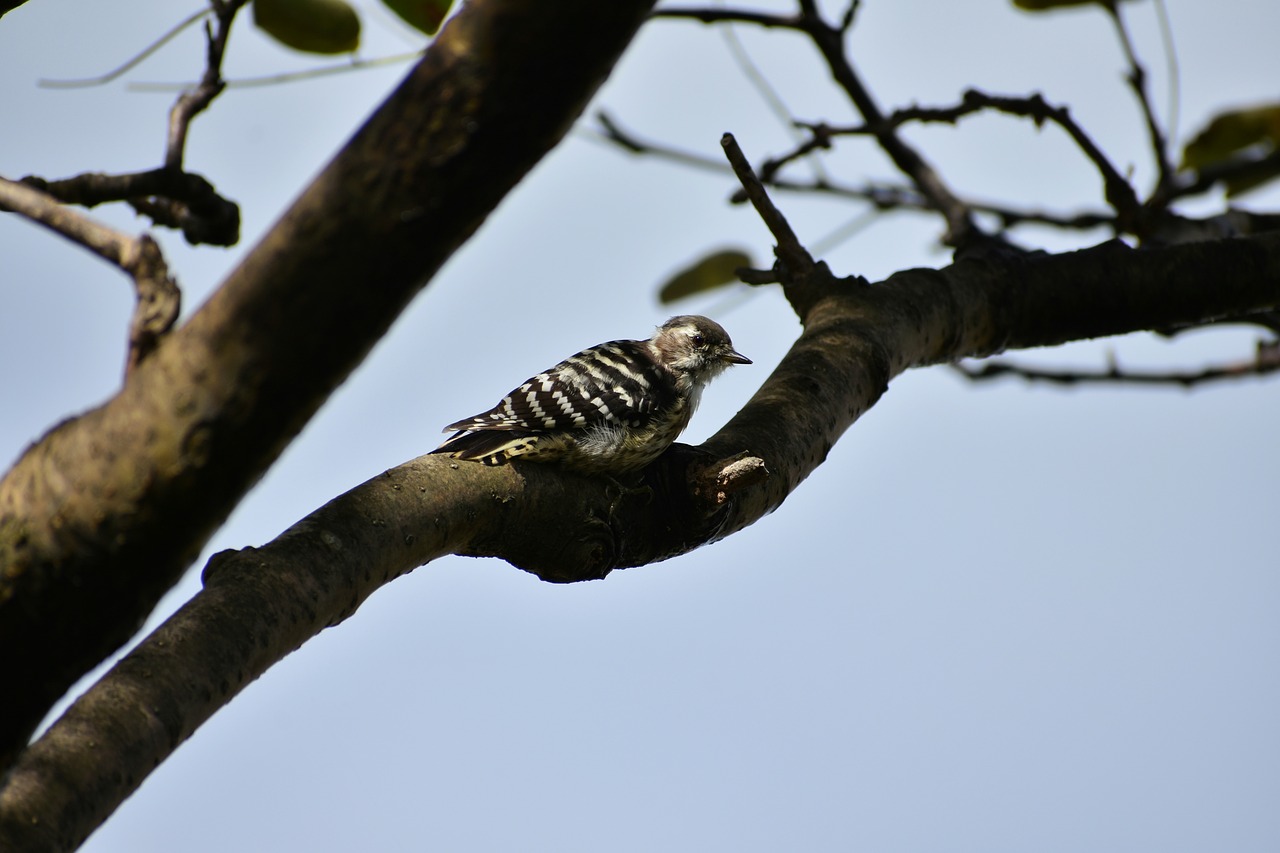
(610, 383)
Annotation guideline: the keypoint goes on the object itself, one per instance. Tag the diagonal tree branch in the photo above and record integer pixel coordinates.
(261, 603)
(103, 514)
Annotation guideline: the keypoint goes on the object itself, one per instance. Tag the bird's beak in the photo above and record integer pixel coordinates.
(735, 357)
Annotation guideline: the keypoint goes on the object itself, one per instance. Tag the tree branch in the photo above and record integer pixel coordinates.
(158, 297)
(103, 514)
(191, 103)
(1265, 360)
(962, 230)
(259, 604)
(1118, 192)
(789, 251)
(1137, 80)
(170, 197)
(881, 196)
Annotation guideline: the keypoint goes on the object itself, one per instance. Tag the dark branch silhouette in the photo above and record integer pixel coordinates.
(1265, 361)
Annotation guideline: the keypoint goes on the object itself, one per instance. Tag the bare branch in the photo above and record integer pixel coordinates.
(171, 197)
(715, 15)
(611, 131)
(158, 297)
(1120, 195)
(788, 250)
(881, 196)
(345, 67)
(962, 230)
(1137, 80)
(1266, 360)
(130, 63)
(193, 102)
(168, 195)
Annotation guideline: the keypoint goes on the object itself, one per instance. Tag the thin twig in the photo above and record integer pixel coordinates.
(713, 15)
(1119, 193)
(770, 96)
(613, 132)
(1172, 69)
(880, 196)
(803, 280)
(1266, 360)
(287, 76)
(131, 63)
(789, 250)
(193, 102)
(962, 230)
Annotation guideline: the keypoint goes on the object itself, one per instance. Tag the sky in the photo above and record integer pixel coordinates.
(1000, 617)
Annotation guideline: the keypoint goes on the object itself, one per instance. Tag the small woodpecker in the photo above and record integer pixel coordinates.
(610, 409)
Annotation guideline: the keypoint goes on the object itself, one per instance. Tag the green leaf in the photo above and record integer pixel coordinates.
(705, 274)
(312, 26)
(1230, 133)
(1254, 178)
(424, 15)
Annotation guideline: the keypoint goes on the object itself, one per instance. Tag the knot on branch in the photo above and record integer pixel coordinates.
(715, 483)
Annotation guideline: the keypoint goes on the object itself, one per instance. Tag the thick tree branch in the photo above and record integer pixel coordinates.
(102, 515)
(259, 604)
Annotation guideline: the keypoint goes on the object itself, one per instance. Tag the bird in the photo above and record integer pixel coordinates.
(611, 409)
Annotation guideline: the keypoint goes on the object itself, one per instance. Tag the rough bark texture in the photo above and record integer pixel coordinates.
(103, 514)
(260, 604)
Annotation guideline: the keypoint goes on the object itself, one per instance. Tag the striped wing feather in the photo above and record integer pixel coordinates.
(596, 386)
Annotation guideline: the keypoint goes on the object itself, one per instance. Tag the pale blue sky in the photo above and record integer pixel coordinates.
(999, 618)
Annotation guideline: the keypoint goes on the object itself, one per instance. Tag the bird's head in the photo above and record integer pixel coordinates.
(695, 348)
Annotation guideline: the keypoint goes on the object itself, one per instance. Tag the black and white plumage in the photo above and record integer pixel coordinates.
(612, 408)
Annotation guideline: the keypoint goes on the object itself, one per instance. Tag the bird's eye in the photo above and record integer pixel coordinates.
(698, 340)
